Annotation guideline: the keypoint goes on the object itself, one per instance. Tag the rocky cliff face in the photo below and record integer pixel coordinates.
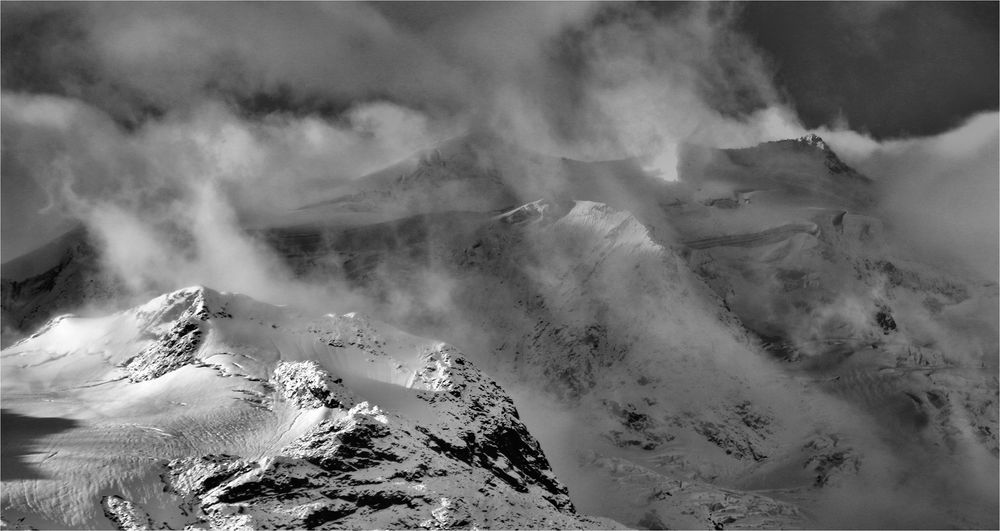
(61, 276)
(264, 418)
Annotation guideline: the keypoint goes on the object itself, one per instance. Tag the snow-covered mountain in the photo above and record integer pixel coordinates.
(579, 303)
(747, 347)
(753, 311)
(202, 408)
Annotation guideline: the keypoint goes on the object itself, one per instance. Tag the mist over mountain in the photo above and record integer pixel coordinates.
(454, 265)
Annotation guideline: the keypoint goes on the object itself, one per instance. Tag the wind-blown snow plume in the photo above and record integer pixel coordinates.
(170, 201)
(659, 80)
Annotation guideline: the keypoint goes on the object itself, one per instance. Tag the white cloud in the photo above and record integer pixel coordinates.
(940, 194)
(168, 201)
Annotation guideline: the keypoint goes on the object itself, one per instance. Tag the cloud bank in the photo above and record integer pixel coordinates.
(149, 109)
(939, 193)
(169, 201)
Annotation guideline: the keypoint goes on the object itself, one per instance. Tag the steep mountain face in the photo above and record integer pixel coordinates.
(485, 174)
(801, 255)
(774, 251)
(831, 295)
(63, 274)
(208, 409)
(685, 417)
(744, 348)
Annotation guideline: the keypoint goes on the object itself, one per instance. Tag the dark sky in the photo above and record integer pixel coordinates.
(893, 69)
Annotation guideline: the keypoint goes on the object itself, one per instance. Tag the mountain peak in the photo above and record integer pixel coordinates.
(833, 162)
(813, 140)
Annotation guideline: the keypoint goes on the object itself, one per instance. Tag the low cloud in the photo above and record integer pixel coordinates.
(575, 78)
(71, 147)
(169, 202)
(449, 61)
(657, 80)
(938, 193)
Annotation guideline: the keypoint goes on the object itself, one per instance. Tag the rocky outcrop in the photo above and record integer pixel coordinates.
(348, 424)
(371, 468)
(125, 515)
(306, 384)
(176, 346)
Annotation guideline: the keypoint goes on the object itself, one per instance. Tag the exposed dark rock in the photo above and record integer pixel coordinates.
(169, 352)
(885, 321)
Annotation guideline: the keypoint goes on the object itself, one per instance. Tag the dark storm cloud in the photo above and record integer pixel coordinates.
(889, 68)
(525, 68)
(167, 55)
(131, 59)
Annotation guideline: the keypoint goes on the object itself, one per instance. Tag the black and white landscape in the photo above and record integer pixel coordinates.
(500, 265)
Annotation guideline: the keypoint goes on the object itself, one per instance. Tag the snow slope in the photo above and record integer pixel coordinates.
(211, 409)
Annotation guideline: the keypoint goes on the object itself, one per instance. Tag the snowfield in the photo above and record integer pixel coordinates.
(204, 409)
